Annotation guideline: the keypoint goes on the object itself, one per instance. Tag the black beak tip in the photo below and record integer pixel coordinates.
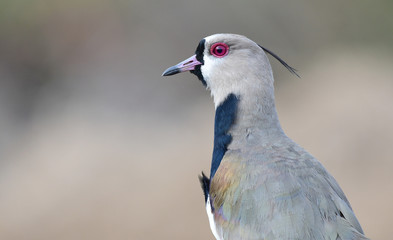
(171, 71)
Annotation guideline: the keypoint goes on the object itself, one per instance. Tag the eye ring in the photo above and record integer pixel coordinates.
(219, 50)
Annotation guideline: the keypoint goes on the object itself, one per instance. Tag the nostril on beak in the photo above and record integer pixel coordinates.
(189, 62)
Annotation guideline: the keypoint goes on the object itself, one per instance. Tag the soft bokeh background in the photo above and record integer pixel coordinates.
(95, 144)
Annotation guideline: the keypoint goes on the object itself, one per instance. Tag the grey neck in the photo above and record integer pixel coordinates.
(256, 121)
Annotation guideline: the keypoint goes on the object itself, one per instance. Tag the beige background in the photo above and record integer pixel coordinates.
(95, 144)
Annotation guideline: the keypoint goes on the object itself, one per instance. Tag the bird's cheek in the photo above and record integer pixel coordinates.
(206, 73)
(210, 69)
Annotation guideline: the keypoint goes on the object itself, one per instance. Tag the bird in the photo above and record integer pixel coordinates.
(262, 185)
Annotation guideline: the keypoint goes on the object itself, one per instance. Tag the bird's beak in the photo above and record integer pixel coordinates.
(187, 65)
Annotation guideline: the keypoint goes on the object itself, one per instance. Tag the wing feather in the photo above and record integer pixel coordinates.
(280, 194)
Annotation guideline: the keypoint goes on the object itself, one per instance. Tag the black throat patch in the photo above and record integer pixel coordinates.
(199, 56)
(224, 119)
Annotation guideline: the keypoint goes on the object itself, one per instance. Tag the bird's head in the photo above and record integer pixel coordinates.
(230, 64)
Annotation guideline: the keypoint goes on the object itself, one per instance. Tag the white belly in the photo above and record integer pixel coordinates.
(211, 219)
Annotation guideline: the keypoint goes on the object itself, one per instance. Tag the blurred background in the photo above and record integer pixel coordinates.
(95, 144)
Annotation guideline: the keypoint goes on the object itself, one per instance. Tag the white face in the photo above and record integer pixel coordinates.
(233, 64)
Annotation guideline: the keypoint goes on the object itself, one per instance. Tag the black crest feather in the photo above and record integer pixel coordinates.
(290, 69)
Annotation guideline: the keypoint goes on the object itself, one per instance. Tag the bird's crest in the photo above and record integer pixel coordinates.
(290, 69)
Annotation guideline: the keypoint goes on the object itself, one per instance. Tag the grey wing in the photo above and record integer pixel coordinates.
(287, 199)
(343, 204)
(345, 224)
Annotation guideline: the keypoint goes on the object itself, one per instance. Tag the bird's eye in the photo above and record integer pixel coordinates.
(219, 50)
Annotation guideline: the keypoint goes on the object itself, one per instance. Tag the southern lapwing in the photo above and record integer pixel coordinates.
(262, 185)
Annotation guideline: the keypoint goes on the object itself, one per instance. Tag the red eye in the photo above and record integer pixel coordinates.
(219, 50)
